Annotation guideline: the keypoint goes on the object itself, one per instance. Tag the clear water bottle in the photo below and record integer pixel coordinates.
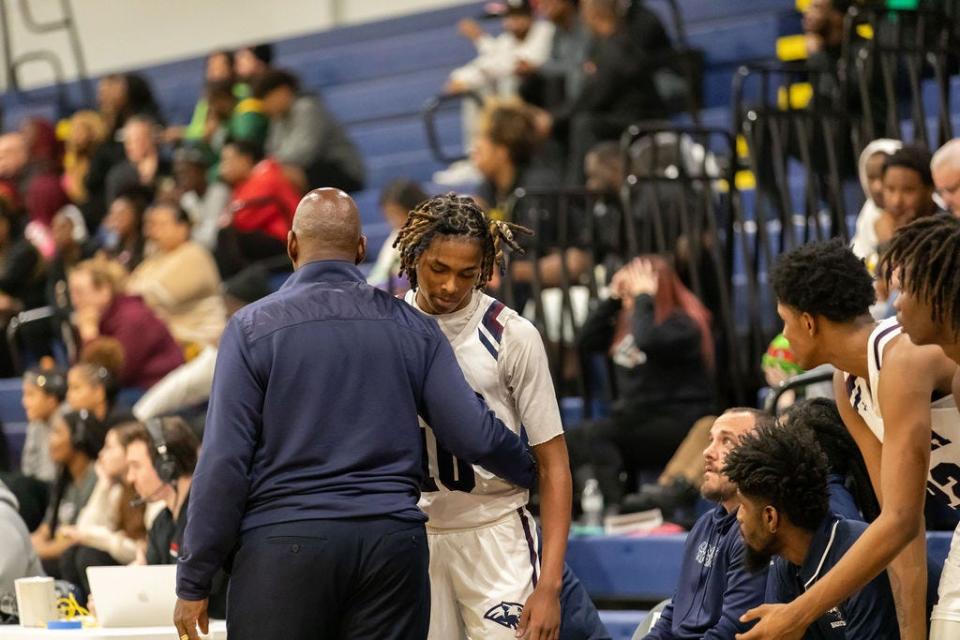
(591, 503)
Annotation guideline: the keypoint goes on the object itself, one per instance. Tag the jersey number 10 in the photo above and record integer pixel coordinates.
(455, 474)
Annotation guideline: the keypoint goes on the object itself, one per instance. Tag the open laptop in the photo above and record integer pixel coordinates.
(134, 596)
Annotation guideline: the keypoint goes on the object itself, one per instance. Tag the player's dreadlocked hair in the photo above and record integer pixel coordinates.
(927, 253)
(453, 215)
(821, 417)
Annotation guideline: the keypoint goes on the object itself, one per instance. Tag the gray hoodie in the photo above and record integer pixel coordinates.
(17, 557)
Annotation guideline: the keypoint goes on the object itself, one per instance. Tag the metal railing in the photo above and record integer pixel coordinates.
(907, 50)
(13, 64)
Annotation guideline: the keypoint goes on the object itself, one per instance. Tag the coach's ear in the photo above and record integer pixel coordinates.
(361, 249)
(293, 248)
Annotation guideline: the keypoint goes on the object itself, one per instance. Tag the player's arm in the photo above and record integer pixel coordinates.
(906, 387)
(525, 370)
(905, 390)
(907, 571)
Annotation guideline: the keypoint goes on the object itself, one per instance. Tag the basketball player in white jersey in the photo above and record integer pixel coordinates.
(895, 398)
(487, 577)
(924, 257)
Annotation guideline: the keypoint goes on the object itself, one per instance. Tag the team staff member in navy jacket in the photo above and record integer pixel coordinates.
(715, 587)
(312, 456)
(782, 478)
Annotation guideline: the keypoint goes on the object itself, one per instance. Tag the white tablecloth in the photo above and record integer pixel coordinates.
(218, 631)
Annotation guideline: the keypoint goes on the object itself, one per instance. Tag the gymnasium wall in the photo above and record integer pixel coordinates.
(120, 34)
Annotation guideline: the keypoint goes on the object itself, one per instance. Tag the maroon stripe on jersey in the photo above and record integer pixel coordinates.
(876, 343)
(530, 546)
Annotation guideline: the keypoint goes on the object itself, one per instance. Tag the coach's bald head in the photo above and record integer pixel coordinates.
(326, 226)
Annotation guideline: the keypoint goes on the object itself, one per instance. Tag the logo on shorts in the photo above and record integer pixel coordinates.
(506, 614)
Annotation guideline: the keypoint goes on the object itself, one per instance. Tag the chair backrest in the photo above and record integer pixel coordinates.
(651, 619)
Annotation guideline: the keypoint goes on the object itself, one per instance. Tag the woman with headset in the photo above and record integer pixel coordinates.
(75, 441)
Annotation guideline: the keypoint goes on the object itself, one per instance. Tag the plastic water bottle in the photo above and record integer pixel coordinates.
(591, 503)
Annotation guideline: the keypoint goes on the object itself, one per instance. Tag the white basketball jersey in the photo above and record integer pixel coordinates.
(458, 495)
(943, 481)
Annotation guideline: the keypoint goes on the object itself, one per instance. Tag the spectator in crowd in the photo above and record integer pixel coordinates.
(189, 385)
(894, 398)
(21, 266)
(525, 42)
(945, 166)
(29, 171)
(781, 479)
(504, 153)
(219, 69)
(43, 193)
(823, 30)
(397, 200)
(659, 338)
(72, 245)
(204, 200)
(92, 385)
(119, 97)
(75, 442)
(17, 556)
(122, 96)
(22, 287)
(908, 189)
(229, 118)
(87, 132)
(617, 90)
(261, 208)
(865, 243)
(112, 527)
(559, 77)
(122, 231)
(179, 281)
(144, 165)
(305, 136)
(101, 309)
(252, 61)
(161, 457)
(716, 585)
(605, 173)
(848, 481)
(13, 160)
(44, 390)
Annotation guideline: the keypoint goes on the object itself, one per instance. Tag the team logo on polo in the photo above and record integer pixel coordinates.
(506, 614)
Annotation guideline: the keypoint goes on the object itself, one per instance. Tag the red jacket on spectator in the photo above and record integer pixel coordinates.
(149, 350)
(265, 202)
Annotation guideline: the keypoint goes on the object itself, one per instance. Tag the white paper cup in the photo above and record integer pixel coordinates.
(36, 601)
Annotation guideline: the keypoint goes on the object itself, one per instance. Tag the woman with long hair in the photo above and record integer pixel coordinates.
(658, 336)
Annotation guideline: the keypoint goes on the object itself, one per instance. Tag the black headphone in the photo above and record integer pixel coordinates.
(165, 464)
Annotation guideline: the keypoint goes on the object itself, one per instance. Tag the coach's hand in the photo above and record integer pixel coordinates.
(540, 619)
(187, 615)
(777, 622)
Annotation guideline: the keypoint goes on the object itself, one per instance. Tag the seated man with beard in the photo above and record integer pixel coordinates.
(781, 475)
(715, 586)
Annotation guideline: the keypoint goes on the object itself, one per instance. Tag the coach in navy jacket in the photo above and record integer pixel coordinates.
(312, 456)
(715, 587)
